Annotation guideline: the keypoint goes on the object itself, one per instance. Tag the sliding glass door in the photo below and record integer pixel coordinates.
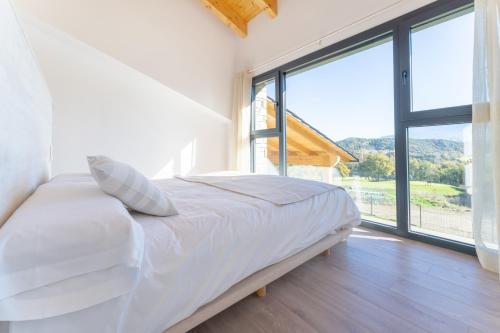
(385, 114)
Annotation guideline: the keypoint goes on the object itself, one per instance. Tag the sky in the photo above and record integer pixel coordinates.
(353, 96)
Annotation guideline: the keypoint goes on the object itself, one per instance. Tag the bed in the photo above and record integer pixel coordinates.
(224, 245)
(220, 239)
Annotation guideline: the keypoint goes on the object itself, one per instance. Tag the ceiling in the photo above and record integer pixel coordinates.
(237, 13)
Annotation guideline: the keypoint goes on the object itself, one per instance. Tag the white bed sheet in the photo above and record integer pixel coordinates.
(219, 238)
(278, 190)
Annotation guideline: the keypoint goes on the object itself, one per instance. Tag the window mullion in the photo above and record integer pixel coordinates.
(402, 104)
(282, 119)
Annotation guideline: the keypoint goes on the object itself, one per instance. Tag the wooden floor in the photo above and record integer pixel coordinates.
(373, 283)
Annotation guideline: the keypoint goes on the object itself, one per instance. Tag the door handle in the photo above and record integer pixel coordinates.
(404, 76)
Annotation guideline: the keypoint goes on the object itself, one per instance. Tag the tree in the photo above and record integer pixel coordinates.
(422, 170)
(343, 169)
(377, 166)
(452, 174)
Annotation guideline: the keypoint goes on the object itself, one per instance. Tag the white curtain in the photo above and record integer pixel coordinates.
(240, 140)
(486, 133)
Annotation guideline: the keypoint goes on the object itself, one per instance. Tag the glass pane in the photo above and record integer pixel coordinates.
(267, 156)
(441, 60)
(440, 175)
(265, 105)
(340, 128)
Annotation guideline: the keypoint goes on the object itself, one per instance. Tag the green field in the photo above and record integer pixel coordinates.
(422, 193)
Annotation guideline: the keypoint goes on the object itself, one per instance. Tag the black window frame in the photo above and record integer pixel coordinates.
(280, 129)
(404, 117)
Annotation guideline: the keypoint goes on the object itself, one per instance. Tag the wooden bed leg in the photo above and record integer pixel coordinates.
(326, 253)
(261, 292)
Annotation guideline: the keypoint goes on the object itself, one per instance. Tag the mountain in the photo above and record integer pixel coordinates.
(434, 150)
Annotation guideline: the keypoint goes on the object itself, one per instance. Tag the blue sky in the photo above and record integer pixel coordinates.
(353, 96)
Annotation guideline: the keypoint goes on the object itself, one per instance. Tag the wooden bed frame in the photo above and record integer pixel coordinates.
(256, 283)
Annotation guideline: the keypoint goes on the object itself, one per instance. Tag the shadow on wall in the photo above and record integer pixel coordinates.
(104, 107)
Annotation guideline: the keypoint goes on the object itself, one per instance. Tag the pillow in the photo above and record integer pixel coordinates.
(130, 186)
(64, 230)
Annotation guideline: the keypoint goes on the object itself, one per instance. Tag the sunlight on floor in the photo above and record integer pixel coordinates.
(358, 233)
(376, 238)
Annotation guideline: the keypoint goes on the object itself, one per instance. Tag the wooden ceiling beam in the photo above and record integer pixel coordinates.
(227, 15)
(237, 13)
(271, 6)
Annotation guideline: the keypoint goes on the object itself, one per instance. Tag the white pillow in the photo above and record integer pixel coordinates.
(64, 230)
(130, 186)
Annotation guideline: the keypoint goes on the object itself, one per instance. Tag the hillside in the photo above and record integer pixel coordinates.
(434, 150)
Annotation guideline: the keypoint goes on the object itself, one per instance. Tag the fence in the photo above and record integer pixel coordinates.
(442, 221)
(451, 223)
(376, 206)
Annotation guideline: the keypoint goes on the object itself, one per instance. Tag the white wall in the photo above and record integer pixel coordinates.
(102, 106)
(299, 23)
(177, 42)
(144, 81)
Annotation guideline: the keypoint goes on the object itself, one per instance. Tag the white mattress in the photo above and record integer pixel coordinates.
(219, 238)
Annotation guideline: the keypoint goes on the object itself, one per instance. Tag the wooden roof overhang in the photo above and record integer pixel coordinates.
(305, 145)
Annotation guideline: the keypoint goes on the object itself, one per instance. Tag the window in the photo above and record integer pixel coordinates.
(265, 105)
(267, 156)
(437, 125)
(267, 141)
(334, 136)
(441, 61)
(386, 114)
(440, 167)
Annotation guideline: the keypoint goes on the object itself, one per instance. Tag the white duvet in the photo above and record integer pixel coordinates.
(218, 238)
(278, 190)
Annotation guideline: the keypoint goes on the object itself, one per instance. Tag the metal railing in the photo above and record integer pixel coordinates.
(379, 207)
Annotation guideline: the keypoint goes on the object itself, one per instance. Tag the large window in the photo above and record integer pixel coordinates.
(386, 114)
(334, 136)
(437, 126)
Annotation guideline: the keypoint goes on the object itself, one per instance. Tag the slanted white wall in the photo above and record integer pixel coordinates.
(299, 23)
(148, 82)
(176, 42)
(102, 106)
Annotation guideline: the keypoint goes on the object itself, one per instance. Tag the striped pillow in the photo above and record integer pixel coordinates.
(130, 186)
